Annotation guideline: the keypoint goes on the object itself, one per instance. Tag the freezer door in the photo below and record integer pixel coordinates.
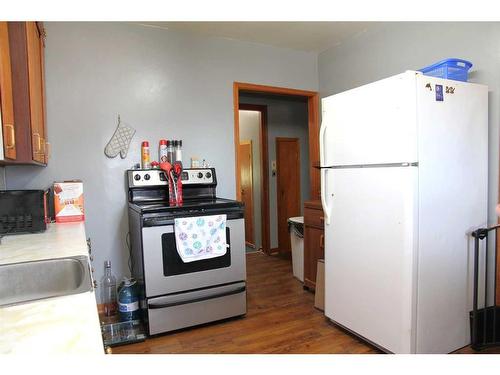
(453, 186)
(370, 254)
(371, 124)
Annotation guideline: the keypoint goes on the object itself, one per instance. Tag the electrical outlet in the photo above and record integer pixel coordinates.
(273, 168)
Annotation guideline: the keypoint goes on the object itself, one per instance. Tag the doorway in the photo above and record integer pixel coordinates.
(311, 174)
(253, 174)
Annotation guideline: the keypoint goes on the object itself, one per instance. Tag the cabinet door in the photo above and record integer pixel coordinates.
(46, 144)
(35, 45)
(313, 250)
(6, 103)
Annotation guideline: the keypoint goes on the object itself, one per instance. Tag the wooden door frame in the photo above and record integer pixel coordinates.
(249, 142)
(313, 135)
(284, 139)
(264, 170)
(497, 260)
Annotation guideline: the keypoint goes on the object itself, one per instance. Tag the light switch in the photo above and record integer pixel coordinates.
(273, 168)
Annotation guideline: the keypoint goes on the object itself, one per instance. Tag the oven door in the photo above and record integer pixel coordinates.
(165, 272)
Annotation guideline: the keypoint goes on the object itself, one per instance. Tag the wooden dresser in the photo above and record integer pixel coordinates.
(314, 241)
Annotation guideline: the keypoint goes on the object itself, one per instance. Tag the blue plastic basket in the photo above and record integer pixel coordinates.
(456, 69)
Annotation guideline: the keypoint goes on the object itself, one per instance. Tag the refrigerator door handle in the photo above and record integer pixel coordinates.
(323, 171)
(322, 131)
(326, 209)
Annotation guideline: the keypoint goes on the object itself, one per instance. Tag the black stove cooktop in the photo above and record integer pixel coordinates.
(192, 204)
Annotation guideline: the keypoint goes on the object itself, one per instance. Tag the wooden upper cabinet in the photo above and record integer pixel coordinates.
(26, 41)
(35, 46)
(6, 100)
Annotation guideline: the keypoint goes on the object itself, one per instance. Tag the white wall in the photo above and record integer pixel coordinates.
(250, 130)
(392, 48)
(165, 84)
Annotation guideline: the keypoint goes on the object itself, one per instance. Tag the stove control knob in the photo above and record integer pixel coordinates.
(137, 177)
(147, 177)
(200, 175)
(208, 175)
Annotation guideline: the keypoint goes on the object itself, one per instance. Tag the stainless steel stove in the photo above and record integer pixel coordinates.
(175, 294)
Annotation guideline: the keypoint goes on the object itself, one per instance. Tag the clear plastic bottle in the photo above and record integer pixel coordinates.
(178, 150)
(108, 291)
(170, 151)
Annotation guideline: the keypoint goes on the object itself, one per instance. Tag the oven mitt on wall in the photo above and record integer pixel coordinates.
(120, 141)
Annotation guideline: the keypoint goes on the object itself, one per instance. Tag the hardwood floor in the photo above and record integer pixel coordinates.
(469, 350)
(281, 318)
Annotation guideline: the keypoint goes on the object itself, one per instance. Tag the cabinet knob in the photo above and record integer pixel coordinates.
(37, 143)
(12, 136)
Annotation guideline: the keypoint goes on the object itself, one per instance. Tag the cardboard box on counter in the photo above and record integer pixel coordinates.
(68, 201)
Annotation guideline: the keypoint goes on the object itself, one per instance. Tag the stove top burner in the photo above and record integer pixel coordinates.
(161, 206)
(149, 197)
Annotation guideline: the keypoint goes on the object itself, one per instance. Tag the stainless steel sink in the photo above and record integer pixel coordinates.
(29, 281)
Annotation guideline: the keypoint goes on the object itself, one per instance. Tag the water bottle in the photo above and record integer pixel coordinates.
(128, 300)
(108, 290)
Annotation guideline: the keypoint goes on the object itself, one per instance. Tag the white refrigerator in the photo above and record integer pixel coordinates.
(404, 180)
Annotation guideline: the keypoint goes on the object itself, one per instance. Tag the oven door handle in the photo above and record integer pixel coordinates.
(218, 295)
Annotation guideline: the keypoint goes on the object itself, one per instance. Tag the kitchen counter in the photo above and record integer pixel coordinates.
(58, 241)
(60, 325)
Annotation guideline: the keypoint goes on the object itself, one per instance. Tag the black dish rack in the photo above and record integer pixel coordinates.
(23, 211)
(485, 321)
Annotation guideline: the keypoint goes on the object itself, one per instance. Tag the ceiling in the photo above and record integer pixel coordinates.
(303, 36)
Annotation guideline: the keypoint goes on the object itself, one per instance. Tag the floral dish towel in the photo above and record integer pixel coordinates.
(200, 237)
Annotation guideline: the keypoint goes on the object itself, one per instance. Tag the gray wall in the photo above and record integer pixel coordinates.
(165, 84)
(250, 130)
(286, 117)
(391, 48)
(3, 185)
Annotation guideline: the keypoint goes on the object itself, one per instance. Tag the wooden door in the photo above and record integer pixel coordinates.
(6, 104)
(287, 187)
(35, 44)
(246, 173)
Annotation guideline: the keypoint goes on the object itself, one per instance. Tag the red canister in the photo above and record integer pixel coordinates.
(163, 154)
